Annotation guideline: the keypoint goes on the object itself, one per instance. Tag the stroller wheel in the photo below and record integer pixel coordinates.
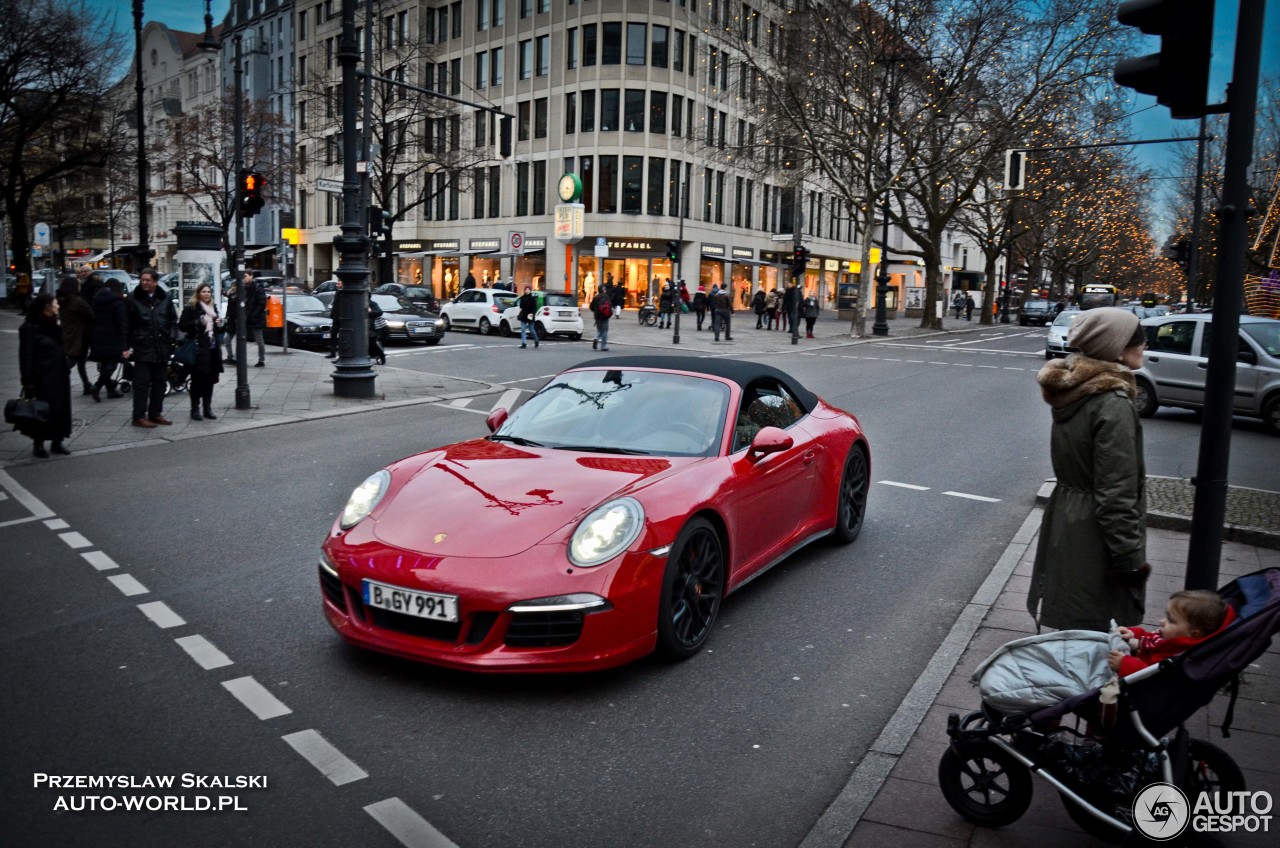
(1212, 769)
(985, 784)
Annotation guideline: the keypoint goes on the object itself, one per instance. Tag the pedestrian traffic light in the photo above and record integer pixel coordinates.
(1178, 75)
(799, 260)
(379, 222)
(251, 185)
(673, 251)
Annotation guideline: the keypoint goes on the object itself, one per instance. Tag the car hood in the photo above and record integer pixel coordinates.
(493, 499)
(309, 318)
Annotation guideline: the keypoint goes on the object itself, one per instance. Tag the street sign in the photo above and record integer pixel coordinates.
(331, 186)
(782, 237)
(41, 235)
(570, 222)
(602, 251)
(515, 241)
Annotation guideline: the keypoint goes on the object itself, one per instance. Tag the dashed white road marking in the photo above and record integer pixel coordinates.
(911, 486)
(404, 824)
(327, 759)
(52, 523)
(100, 560)
(256, 698)
(507, 401)
(206, 655)
(972, 497)
(161, 615)
(75, 540)
(128, 585)
(461, 403)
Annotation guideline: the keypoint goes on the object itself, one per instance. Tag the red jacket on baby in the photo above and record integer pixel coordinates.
(1152, 647)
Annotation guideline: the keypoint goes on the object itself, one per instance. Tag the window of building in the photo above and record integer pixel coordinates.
(632, 184)
(750, 191)
(540, 118)
(677, 114)
(526, 59)
(693, 54)
(608, 197)
(455, 77)
(570, 113)
(719, 197)
(571, 49)
(636, 38)
(442, 77)
(526, 8)
(544, 6)
(482, 69)
(481, 126)
(455, 132)
(495, 66)
(544, 55)
(482, 15)
(477, 195)
(633, 110)
(677, 52)
(588, 45)
(540, 188)
(609, 110)
(713, 59)
(656, 185)
(498, 14)
(707, 182)
(302, 25)
(710, 122)
(522, 120)
(455, 11)
(611, 47)
(658, 112)
(658, 49)
(495, 191)
(738, 188)
(720, 130)
(674, 190)
(588, 113)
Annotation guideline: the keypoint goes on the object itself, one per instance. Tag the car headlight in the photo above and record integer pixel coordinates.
(606, 532)
(395, 325)
(364, 499)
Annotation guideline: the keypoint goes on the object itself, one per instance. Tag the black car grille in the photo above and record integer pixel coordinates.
(426, 628)
(544, 629)
(332, 588)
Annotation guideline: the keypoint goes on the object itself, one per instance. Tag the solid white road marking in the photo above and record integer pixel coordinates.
(461, 403)
(206, 655)
(52, 523)
(508, 399)
(161, 615)
(37, 509)
(129, 585)
(75, 540)
(256, 698)
(905, 485)
(972, 497)
(327, 759)
(99, 560)
(411, 829)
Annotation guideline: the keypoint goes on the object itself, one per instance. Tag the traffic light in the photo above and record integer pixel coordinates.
(799, 260)
(251, 185)
(504, 141)
(1178, 75)
(379, 222)
(673, 251)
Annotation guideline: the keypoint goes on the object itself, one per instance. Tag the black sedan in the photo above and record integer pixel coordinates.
(406, 324)
(417, 298)
(308, 321)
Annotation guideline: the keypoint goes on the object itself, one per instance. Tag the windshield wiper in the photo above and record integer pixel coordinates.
(598, 449)
(519, 440)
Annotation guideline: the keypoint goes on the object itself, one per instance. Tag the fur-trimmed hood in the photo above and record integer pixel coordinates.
(1064, 382)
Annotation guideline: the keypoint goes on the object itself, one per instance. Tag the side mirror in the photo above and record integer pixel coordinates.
(496, 419)
(1246, 355)
(769, 440)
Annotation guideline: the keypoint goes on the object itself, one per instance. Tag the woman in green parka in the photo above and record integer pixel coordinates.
(1090, 565)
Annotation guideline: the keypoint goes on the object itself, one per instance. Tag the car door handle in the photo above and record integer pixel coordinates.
(1151, 358)
(808, 457)
(1202, 365)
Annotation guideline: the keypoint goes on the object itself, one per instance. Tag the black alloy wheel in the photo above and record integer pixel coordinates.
(692, 590)
(851, 508)
(985, 784)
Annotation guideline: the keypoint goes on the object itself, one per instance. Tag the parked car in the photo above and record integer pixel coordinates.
(126, 280)
(1055, 341)
(1035, 311)
(406, 324)
(1178, 353)
(557, 315)
(477, 309)
(629, 497)
(308, 321)
(326, 286)
(417, 298)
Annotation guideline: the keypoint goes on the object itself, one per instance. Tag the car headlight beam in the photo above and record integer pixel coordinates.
(606, 532)
(365, 498)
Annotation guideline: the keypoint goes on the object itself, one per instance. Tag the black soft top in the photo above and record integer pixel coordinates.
(742, 372)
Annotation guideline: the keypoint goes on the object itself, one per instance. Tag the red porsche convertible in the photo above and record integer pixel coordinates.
(607, 517)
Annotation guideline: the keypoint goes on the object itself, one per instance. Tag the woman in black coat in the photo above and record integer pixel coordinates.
(201, 323)
(43, 367)
(109, 338)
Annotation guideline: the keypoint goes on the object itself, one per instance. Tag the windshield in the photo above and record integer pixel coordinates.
(1064, 319)
(416, 293)
(1266, 334)
(1089, 300)
(624, 411)
(386, 302)
(505, 300)
(560, 299)
(304, 303)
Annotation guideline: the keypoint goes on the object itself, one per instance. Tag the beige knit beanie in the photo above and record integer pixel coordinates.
(1103, 333)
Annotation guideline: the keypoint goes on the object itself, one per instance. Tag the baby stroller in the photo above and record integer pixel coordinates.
(985, 773)
(177, 377)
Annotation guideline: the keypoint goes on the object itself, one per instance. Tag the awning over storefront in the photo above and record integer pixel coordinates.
(748, 261)
(256, 250)
(97, 257)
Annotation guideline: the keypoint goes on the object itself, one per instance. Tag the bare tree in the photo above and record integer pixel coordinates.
(56, 58)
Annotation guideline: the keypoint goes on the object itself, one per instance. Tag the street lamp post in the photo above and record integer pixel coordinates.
(881, 325)
(353, 374)
(143, 255)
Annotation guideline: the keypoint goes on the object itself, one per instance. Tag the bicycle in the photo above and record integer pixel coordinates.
(648, 314)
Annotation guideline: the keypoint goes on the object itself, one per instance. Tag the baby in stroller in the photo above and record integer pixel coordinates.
(1099, 739)
(1190, 617)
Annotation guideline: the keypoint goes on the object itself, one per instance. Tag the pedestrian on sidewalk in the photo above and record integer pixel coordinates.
(232, 298)
(42, 366)
(152, 321)
(109, 338)
(790, 305)
(377, 327)
(618, 300)
(200, 322)
(810, 309)
(666, 306)
(255, 315)
(528, 309)
(722, 314)
(601, 309)
(757, 306)
(76, 319)
(700, 305)
(771, 307)
(968, 307)
(1090, 564)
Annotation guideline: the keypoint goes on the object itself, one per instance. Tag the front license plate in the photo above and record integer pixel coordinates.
(324, 335)
(411, 602)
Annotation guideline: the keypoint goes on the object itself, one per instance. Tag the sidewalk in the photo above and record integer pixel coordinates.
(907, 809)
(298, 386)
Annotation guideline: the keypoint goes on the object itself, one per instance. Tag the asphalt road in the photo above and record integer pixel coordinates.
(744, 745)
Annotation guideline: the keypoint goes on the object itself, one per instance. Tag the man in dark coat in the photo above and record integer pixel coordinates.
(969, 306)
(721, 313)
(528, 309)
(470, 281)
(152, 321)
(43, 368)
(618, 299)
(109, 338)
(790, 305)
(255, 313)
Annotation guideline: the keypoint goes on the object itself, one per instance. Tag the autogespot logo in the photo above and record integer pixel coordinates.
(1160, 811)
